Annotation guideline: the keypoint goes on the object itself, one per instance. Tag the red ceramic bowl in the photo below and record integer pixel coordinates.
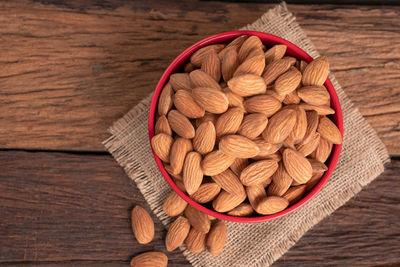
(268, 40)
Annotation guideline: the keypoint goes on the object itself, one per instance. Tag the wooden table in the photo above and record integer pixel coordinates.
(71, 68)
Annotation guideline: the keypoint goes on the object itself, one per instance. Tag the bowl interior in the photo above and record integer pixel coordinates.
(268, 40)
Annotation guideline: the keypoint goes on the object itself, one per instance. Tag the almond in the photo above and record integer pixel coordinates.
(238, 165)
(206, 192)
(148, 259)
(279, 126)
(197, 219)
(255, 194)
(199, 78)
(195, 241)
(314, 95)
(179, 184)
(229, 122)
(192, 174)
(317, 166)
(294, 193)
(275, 69)
(228, 181)
(308, 148)
(323, 150)
(297, 166)
(275, 156)
(292, 60)
(281, 182)
(258, 172)
(313, 181)
(238, 146)
(142, 225)
(177, 233)
(243, 210)
(251, 43)
(265, 104)
(216, 238)
(288, 81)
(207, 117)
(168, 168)
(253, 125)
(303, 66)
(247, 85)
(174, 205)
(198, 56)
(180, 81)
(234, 99)
(180, 124)
(162, 126)
(189, 67)
(272, 205)
(316, 72)
(254, 65)
(321, 110)
(185, 104)
(165, 100)
(291, 98)
(312, 124)
(329, 131)
(235, 45)
(230, 63)
(274, 53)
(266, 149)
(273, 93)
(211, 100)
(300, 128)
(204, 139)
(226, 201)
(178, 152)
(254, 53)
(161, 144)
(212, 65)
(216, 162)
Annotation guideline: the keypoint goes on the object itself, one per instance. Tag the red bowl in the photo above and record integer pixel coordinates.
(267, 39)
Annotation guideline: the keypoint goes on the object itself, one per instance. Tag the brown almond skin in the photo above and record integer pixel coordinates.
(229, 122)
(198, 56)
(161, 144)
(281, 181)
(189, 67)
(288, 81)
(238, 165)
(226, 201)
(317, 166)
(165, 100)
(329, 131)
(247, 85)
(216, 238)
(323, 150)
(199, 78)
(247, 46)
(243, 210)
(229, 64)
(314, 95)
(275, 69)
(195, 241)
(271, 205)
(265, 104)
(321, 110)
(180, 81)
(149, 259)
(316, 72)
(300, 127)
(186, 105)
(252, 65)
(207, 117)
(206, 192)
(162, 126)
(178, 152)
(228, 181)
(253, 125)
(291, 98)
(238, 146)
(297, 166)
(266, 148)
(312, 124)
(174, 205)
(142, 225)
(210, 99)
(177, 233)
(274, 53)
(216, 162)
(197, 219)
(313, 181)
(192, 173)
(279, 126)
(234, 99)
(212, 65)
(294, 193)
(257, 172)
(308, 148)
(180, 124)
(255, 194)
(204, 139)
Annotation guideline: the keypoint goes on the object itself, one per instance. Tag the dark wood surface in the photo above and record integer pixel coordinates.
(71, 68)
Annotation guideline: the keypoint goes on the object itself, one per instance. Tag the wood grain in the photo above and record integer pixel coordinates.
(66, 209)
(71, 68)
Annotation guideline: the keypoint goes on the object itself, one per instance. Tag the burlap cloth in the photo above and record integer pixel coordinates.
(362, 159)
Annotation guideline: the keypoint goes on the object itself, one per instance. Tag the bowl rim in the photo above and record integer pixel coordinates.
(270, 39)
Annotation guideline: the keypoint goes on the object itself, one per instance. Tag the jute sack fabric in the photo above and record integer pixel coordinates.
(362, 159)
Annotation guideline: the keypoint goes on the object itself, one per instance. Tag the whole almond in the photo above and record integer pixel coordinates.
(211, 100)
(228, 181)
(206, 192)
(288, 81)
(314, 180)
(162, 126)
(314, 95)
(165, 100)
(212, 65)
(207, 117)
(276, 190)
(255, 194)
(185, 103)
(316, 72)
(142, 225)
(323, 150)
(149, 259)
(266, 148)
(198, 56)
(312, 124)
(254, 65)
(161, 144)
(265, 104)
(297, 166)
(177, 233)
(247, 85)
(272, 205)
(197, 219)
(300, 127)
(317, 166)
(234, 99)
(216, 238)
(321, 110)
(279, 126)
(275, 69)
(251, 43)
(257, 172)
(253, 125)
(225, 201)
(216, 162)
(195, 241)
(230, 63)
(242, 210)
(308, 148)
(273, 93)
(199, 78)
(180, 124)
(291, 98)
(238, 146)
(238, 165)
(329, 131)
(180, 81)
(274, 53)
(174, 205)
(229, 122)
(178, 152)
(192, 173)
(294, 193)
(281, 181)
(204, 139)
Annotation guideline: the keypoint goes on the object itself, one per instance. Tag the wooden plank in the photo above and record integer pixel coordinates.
(70, 69)
(65, 209)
